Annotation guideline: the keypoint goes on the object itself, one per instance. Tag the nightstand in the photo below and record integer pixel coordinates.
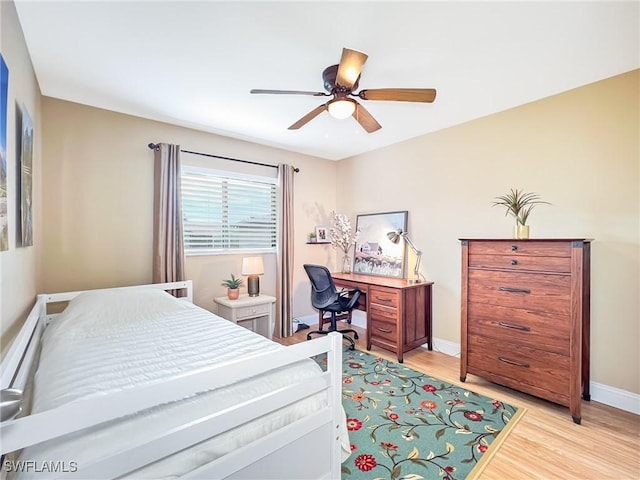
(258, 310)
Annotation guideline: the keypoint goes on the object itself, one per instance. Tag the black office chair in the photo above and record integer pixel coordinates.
(325, 296)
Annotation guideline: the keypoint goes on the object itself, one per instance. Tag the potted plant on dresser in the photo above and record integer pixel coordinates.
(519, 205)
(233, 285)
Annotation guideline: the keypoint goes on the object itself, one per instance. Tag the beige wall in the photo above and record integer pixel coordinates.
(579, 150)
(18, 267)
(98, 201)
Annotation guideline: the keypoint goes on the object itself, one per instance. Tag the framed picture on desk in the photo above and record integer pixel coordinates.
(375, 254)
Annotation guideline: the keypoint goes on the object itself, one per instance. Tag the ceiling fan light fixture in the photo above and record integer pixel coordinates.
(341, 108)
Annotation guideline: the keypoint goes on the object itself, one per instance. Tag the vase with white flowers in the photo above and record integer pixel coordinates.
(343, 237)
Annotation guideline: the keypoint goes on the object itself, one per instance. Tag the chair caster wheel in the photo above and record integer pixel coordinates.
(355, 335)
(308, 337)
(352, 347)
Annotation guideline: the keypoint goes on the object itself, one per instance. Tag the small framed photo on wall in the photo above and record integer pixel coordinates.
(322, 235)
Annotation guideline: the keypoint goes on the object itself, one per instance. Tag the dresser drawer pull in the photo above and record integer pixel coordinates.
(384, 299)
(514, 290)
(385, 330)
(514, 248)
(515, 327)
(514, 262)
(511, 362)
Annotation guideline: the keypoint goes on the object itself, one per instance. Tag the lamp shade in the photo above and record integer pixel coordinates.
(395, 236)
(341, 108)
(252, 266)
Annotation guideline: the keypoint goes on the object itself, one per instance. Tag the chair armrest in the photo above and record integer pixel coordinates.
(352, 296)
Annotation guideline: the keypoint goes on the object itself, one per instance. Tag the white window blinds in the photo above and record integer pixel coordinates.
(224, 213)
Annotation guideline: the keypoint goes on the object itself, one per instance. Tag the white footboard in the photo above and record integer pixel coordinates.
(307, 448)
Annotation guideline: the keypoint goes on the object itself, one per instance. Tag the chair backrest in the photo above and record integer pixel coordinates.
(323, 290)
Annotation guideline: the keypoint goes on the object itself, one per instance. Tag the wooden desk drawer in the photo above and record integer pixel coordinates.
(529, 291)
(515, 247)
(521, 262)
(384, 296)
(252, 311)
(541, 330)
(522, 364)
(390, 314)
(383, 329)
(349, 285)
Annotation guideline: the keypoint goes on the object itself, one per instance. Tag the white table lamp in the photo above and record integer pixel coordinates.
(253, 266)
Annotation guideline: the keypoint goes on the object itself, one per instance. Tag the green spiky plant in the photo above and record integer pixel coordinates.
(233, 282)
(519, 204)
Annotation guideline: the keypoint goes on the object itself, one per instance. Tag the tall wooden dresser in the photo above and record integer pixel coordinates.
(526, 315)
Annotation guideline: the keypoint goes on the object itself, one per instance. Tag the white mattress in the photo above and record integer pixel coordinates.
(137, 337)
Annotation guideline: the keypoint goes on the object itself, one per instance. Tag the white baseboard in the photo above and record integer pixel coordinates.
(612, 396)
(446, 347)
(615, 397)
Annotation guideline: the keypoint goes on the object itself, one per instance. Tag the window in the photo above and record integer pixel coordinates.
(223, 212)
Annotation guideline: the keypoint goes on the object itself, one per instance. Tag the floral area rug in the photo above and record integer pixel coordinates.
(406, 425)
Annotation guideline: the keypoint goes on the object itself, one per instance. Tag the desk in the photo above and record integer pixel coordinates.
(398, 312)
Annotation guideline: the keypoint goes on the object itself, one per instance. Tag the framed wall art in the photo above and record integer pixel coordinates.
(4, 88)
(25, 185)
(375, 254)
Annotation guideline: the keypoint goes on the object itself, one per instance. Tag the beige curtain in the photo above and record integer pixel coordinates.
(284, 275)
(168, 247)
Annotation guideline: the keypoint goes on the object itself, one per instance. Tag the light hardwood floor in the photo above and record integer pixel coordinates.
(545, 444)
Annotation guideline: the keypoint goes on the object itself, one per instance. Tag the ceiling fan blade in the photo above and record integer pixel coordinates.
(350, 66)
(289, 92)
(426, 95)
(308, 117)
(365, 119)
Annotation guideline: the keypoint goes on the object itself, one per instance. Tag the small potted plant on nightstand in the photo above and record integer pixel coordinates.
(233, 287)
(312, 237)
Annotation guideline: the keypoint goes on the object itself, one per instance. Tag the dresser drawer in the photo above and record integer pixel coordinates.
(521, 262)
(541, 330)
(252, 311)
(523, 365)
(383, 329)
(384, 296)
(515, 247)
(529, 291)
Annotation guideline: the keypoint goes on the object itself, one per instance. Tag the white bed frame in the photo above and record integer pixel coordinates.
(307, 448)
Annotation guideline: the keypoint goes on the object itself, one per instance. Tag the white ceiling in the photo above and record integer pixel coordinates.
(193, 63)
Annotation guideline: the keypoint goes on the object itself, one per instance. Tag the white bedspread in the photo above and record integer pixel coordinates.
(140, 337)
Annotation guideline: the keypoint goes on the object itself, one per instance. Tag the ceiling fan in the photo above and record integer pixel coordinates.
(341, 81)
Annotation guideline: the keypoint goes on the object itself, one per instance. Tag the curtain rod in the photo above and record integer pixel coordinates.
(153, 146)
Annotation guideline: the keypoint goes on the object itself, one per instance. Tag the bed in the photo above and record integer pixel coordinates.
(133, 382)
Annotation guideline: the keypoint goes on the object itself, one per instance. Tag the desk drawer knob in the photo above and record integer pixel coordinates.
(514, 248)
(514, 262)
(385, 330)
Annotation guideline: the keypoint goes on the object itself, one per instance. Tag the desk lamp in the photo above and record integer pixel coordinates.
(253, 266)
(395, 237)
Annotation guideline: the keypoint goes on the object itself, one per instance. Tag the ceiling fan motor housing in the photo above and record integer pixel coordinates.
(329, 78)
